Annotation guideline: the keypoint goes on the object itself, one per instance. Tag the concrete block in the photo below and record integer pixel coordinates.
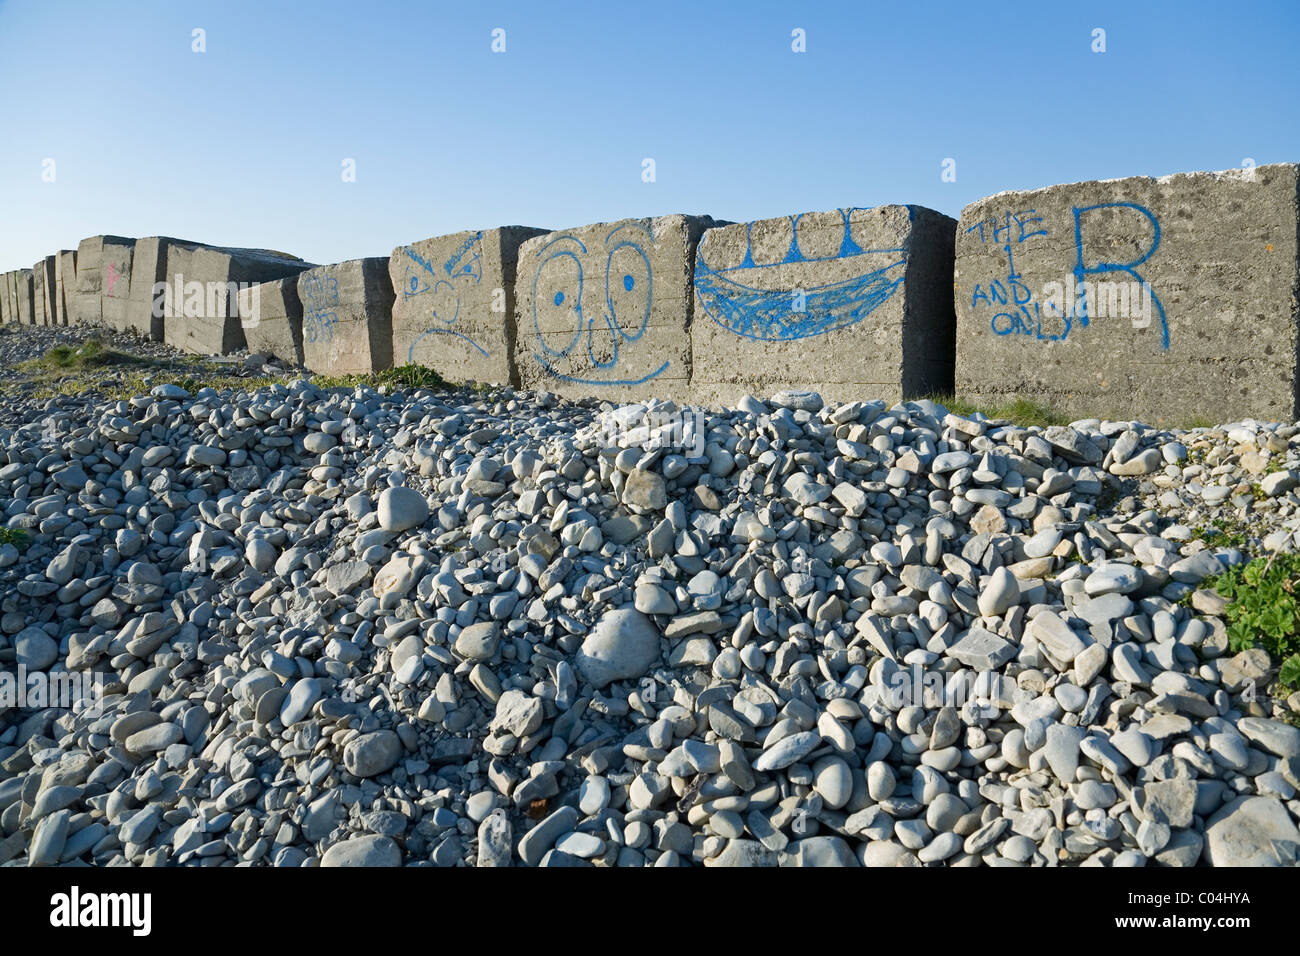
(26, 305)
(38, 292)
(201, 302)
(65, 285)
(87, 305)
(115, 266)
(7, 298)
(455, 303)
(347, 324)
(271, 315)
(43, 288)
(145, 308)
(1163, 299)
(605, 309)
(15, 286)
(851, 303)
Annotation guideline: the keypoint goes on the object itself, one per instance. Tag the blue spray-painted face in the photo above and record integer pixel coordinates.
(557, 296)
(439, 287)
(561, 323)
(776, 312)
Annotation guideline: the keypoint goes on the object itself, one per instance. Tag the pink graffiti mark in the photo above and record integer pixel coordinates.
(112, 277)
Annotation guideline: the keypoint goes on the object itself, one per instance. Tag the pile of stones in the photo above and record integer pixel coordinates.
(448, 628)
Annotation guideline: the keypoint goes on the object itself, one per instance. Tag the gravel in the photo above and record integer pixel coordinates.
(377, 628)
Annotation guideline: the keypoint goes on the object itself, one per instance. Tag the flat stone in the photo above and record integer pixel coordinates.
(402, 508)
(1170, 801)
(1273, 735)
(372, 754)
(982, 650)
(369, 850)
(786, 751)
(1252, 831)
(623, 645)
(1113, 578)
(1050, 630)
(478, 642)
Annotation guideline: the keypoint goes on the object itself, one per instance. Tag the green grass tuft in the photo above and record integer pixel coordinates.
(1263, 610)
(91, 353)
(18, 537)
(1021, 411)
(404, 376)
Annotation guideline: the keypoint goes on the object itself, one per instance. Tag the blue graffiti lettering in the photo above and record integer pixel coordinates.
(1080, 270)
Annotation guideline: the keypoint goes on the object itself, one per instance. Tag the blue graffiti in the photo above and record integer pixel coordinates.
(629, 294)
(421, 277)
(410, 354)
(1023, 315)
(319, 318)
(1020, 313)
(1103, 268)
(777, 315)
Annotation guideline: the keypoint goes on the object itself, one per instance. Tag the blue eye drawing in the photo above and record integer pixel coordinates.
(414, 274)
(628, 289)
(557, 301)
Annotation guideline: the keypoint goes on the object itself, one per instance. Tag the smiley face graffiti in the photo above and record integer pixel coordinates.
(575, 343)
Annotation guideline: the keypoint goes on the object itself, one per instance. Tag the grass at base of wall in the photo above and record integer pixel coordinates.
(404, 376)
(91, 366)
(1021, 411)
(89, 354)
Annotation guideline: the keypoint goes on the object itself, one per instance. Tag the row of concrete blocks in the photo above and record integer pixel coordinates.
(1162, 299)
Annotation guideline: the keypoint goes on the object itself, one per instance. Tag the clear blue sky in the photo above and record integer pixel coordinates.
(243, 144)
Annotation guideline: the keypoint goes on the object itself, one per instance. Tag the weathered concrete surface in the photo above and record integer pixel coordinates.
(7, 298)
(87, 305)
(271, 315)
(605, 309)
(202, 298)
(347, 324)
(851, 303)
(115, 266)
(146, 305)
(1212, 335)
(455, 303)
(43, 288)
(26, 306)
(65, 285)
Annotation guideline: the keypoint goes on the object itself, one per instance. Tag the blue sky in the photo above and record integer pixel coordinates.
(244, 144)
